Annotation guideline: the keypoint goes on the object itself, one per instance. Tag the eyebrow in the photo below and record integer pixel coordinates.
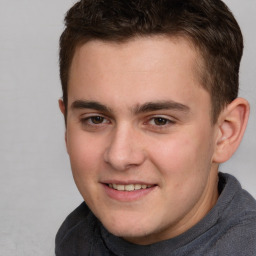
(83, 104)
(161, 105)
(146, 107)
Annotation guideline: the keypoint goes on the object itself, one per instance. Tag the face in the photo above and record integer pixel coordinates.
(140, 138)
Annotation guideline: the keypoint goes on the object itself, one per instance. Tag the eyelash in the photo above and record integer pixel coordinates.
(165, 121)
(89, 123)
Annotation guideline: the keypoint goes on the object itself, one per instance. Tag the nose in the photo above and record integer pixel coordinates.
(124, 150)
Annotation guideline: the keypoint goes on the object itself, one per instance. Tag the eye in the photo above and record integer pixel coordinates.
(96, 121)
(160, 124)
(160, 121)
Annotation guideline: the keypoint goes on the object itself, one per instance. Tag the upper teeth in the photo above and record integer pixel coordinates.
(129, 187)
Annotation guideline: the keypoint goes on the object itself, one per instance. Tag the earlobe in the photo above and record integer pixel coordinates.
(231, 127)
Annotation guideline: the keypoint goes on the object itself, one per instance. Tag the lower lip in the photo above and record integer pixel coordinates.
(127, 196)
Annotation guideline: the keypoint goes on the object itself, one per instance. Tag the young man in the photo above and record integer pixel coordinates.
(151, 110)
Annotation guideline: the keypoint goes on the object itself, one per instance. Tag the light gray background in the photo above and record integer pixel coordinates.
(36, 187)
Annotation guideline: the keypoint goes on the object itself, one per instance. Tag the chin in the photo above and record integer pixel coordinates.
(132, 231)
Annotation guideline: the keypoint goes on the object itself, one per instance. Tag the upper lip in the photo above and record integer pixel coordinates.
(127, 182)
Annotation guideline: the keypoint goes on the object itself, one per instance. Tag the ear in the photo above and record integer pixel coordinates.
(231, 127)
(63, 111)
(62, 106)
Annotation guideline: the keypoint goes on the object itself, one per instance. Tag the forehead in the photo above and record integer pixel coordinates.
(138, 54)
(137, 71)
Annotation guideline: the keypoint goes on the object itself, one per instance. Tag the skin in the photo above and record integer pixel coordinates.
(138, 114)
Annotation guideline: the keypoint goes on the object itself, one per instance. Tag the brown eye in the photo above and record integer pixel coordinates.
(97, 119)
(160, 121)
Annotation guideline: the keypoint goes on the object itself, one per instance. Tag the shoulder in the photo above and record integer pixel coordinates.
(237, 220)
(239, 239)
(235, 202)
(78, 228)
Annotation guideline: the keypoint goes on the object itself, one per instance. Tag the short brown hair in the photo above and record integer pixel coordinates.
(209, 24)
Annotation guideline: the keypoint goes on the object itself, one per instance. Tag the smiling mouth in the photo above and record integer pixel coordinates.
(129, 187)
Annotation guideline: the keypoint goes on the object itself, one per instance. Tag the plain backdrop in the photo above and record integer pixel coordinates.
(36, 186)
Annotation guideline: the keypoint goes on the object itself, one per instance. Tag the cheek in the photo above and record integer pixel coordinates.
(183, 155)
(184, 163)
(174, 154)
(84, 153)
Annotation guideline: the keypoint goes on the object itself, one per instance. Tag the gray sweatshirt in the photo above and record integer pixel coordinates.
(229, 229)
